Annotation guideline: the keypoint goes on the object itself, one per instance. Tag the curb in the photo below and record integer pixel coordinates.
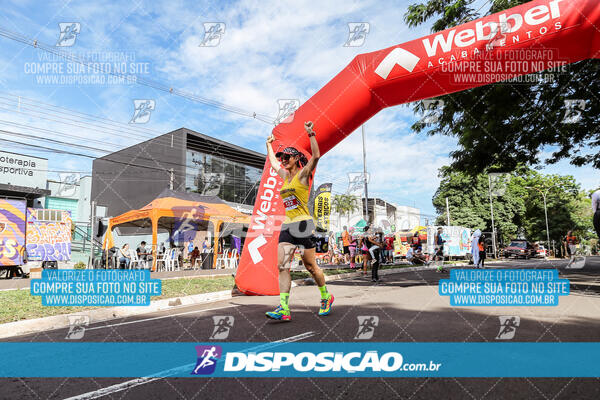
(25, 327)
(211, 276)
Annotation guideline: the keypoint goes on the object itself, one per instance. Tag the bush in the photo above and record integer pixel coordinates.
(80, 265)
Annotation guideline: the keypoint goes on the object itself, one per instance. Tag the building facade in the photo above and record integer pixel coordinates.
(182, 160)
(382, 214)
(23, 177)
(70, 195)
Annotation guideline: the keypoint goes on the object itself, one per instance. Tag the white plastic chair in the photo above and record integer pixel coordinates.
(233, 259)
(172, 262)
(164, 259)
(135, 260)
(222, 260)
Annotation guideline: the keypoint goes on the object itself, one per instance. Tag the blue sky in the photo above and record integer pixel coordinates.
(270, 51)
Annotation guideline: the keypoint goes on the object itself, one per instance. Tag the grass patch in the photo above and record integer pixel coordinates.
(16, 305)
(186, 287)
(336, 271)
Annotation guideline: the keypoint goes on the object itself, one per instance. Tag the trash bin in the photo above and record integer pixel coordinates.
(207, 260)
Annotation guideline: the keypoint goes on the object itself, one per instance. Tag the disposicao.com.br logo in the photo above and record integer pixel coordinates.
(343, 363)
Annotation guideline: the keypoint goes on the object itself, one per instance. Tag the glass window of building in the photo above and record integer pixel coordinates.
(211, 175)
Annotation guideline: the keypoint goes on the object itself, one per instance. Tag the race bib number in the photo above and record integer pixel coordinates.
(290, 203)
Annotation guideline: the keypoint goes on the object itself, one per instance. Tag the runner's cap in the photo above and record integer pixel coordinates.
(289, 150)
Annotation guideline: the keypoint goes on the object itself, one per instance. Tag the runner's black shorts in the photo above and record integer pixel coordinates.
(346, 249)
(301, 233)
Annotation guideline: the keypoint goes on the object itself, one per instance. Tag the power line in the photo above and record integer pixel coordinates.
(133, 78)
(63, 118)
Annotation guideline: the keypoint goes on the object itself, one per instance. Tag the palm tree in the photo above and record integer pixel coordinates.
(338, 205)
(344, 204)
(352, 205)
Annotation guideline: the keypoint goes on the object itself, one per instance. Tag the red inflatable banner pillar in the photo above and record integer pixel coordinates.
(536, 36)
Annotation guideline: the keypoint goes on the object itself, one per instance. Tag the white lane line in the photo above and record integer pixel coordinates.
(173, 371)
(161, 317)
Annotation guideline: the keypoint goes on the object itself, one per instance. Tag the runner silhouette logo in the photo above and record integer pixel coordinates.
(77, 325)
(358, 34)
(366, 327)
(508, 327)
(223, 324)
(207, 359)
(68, 33)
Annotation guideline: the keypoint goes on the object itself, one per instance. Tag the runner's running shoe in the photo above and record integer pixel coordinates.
(326, 305)
(279, 314)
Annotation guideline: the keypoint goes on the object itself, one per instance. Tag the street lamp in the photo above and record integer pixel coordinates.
(544, 194)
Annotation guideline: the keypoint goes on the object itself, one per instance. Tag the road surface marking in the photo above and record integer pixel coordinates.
(155, 318)
(119, 387)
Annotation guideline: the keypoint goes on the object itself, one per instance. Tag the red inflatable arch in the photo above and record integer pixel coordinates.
(535, 36)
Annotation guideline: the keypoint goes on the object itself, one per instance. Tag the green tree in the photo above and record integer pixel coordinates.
(520, 208)
(469, 203)
(507, 124)
(344, 204)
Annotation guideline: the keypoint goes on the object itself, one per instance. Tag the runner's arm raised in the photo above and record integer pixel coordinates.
(316, 154)
(273, 160)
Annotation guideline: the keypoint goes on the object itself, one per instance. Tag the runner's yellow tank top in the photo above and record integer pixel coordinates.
(295, 200)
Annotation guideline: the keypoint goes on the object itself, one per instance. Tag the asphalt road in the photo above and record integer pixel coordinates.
(409, 310)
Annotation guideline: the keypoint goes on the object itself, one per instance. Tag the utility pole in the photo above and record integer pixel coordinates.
(365, 175)
(92, 223)
(492, 214)
(172, 180)
(447, 212)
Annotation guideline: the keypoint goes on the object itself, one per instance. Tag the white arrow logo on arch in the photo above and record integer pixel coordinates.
(403, 58)
(253, 247)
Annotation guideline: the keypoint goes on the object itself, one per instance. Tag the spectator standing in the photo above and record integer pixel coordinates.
(205, 245)
(596, 211)
(571, 244)
(352, 247)
(439, 249)
(389, 249)
(374, 250)
(364, 247)
(475, 247)
(481, 248)
(416, 241)
(346, 244)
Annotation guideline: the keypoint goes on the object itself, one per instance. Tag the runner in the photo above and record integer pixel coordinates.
(298, 228)
(596, 211)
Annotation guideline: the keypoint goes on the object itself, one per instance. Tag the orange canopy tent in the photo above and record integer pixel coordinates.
(171, 206)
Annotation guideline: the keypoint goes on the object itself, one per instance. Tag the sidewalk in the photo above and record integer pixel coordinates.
(18, 283)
